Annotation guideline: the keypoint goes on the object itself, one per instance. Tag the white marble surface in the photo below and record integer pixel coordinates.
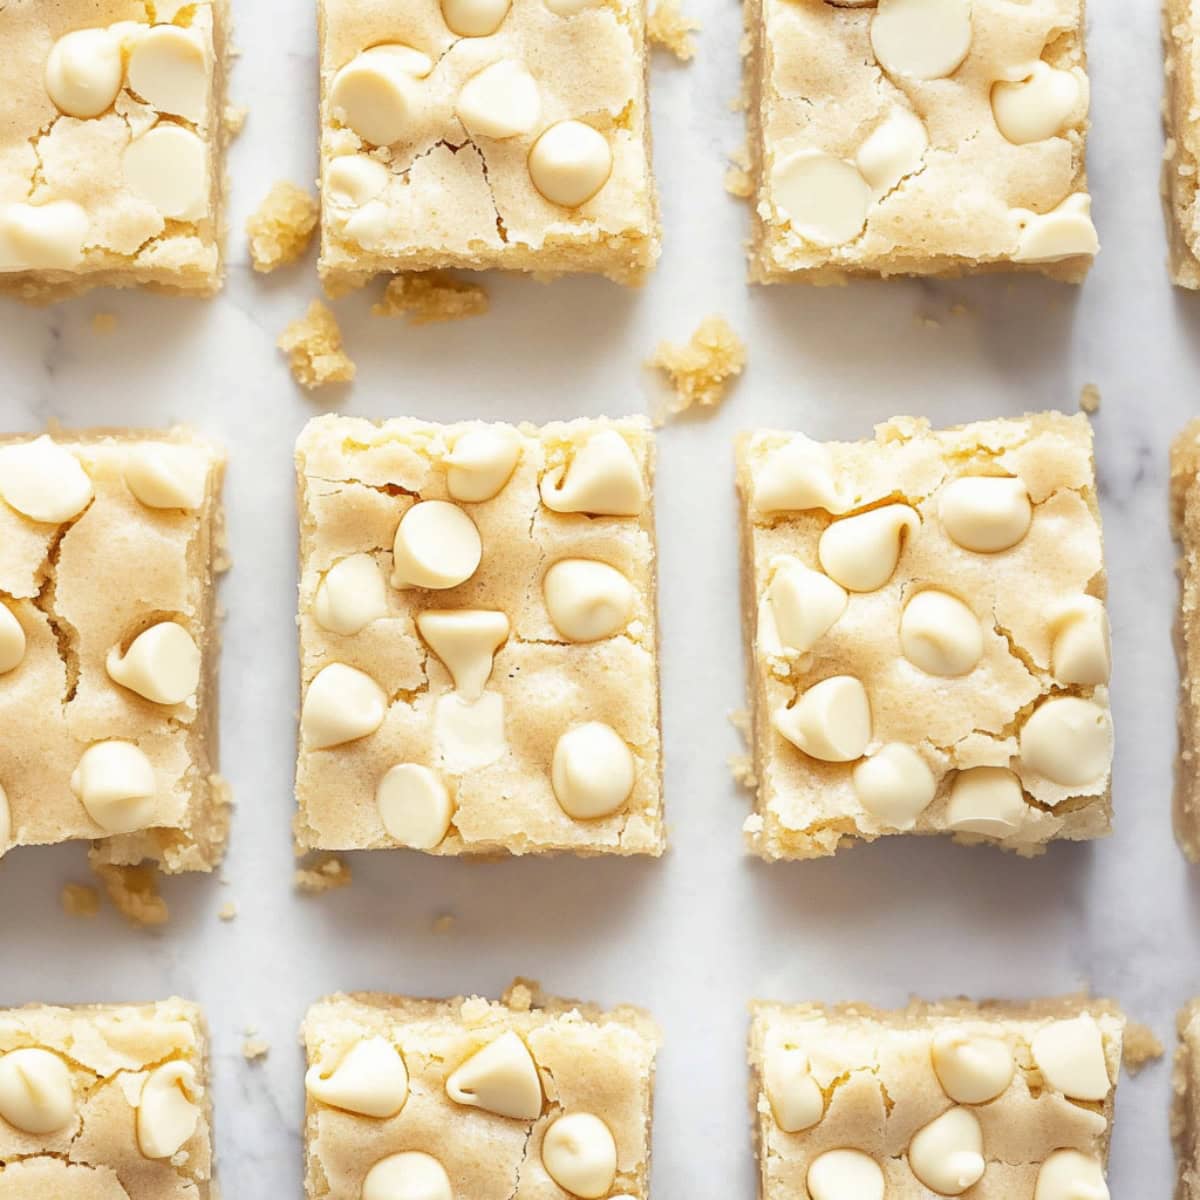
(695, 936)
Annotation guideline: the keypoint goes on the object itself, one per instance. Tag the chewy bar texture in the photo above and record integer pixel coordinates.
(532, 1098)
(1185, 1109)
(918, 137)
(1185, 520)
(485, 134)
(1181, 20)
(109, 544)
(110, 145)
(928, 643)
(106, 1102)
(997, 1101)
(478, 639)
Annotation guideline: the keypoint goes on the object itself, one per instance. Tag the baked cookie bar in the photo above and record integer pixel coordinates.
(917, 137)
(110, 145)
(927, 637)
(485, 133)
(477, 638)
(1181, 20)
(109, 548)
(105, 1102)
(995, 1100)
(532, 1097)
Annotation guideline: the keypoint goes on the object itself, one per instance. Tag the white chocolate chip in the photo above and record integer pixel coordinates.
(47, 237)
(1070, 1056)
(794, 1095)
(1068, 741)
(831, 721)
(474, 18)
(43, 482)
(603, 479)
(115, 783)
(570, 163)
(804, 604)
(502, 101)
(1036, 107)
(411, 1175)
(861, 552)
(83, 72)
(414, 806)
(947, 1154)
(893, 152)
(587, 600)
(580, 1155)
(469, 735)
(12, 640)
(1070, 1175)
(168, 166)
(36, 1093)
(986, 800)
(167, 1112)
(370, 1079)
(352, 594)
(940, 634)
(923, 39)
(985, 513)
(168, 70)
(342, 704)
(162, 475)
(824, 199)
(482, 462)
(502, 1078)
(845, 1175)
(466, 640)
(1064, 232)
(972, 1068)
(593, 771)
(162, 664)
(354, 179)
(378, 94)
(894, 785)
(437, 546)
(5, 822)
(1081, 651)
(798, 476)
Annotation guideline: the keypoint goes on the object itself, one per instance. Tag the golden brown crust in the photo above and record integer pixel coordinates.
(1179, 182)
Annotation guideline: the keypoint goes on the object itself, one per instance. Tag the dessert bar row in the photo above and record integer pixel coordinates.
(887, 138)
(547, 1099)
(924, 616)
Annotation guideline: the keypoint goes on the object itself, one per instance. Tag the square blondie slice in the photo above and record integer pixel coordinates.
(917, 137)
(1185, 523)
(478, 638)
(532, 1097)
(105, 1102)
(109, 547)
(926, 635)
(110, 153)
(1181, 20)
(995, 1100)
(485, 134)
(1185, 1108)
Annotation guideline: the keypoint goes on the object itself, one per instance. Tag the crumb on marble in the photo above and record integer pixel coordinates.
(738, 182)
(255, 1048)
(671, 28)
(79, 900)
(313, 344)
(1141, 1047)
(104, 322)
(228, 911)
(741, 767)
(233, 119)
(1089, 399)
(739, 718)
(323, 875)
(280, 229)
(701, 369)
(430, 297)
(134, 893)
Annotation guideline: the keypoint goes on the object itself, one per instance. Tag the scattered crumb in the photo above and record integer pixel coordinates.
(1089, 398)
(79, 900)
(1141, 1047)
(444, 923)
(325, 875)
(738, 182)
(282, 226)
(313, 344)
(739, 718)
(926, 321)
(741, 767)
(104, 322)
(255, 1048)
(701, 370)
(228, 911)
(671, 28)
(431, 297)
(959, 309)
(233, 120)
(134, 893)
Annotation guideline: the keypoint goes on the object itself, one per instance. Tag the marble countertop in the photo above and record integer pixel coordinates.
(695, 936)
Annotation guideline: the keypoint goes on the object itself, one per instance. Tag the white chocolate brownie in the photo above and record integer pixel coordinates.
(997, 1100)
(105, 1102)
(1185, 522)
(1181, 20)
(1185, 1109)
(485, 134)
(110, 150)
(109, 547)
(478, 638)
(927, 638)
(533, 1097)
(917, 137)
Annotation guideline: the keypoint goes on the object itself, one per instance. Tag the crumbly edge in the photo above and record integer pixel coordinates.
(1179, 180)
(1185, 1104)
(1185, 524)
